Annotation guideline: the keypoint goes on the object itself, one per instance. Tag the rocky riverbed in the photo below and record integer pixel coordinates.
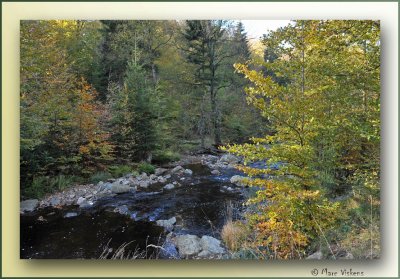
(177, 212)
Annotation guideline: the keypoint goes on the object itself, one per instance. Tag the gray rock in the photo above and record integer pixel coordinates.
(178, 169)
(169, 186)
(188, 172)
(204, 254)
(70, 214)
(85, 204)
(211, 245)
(159, 171)
(169, 250)
(230, 159)
(143, 176)
(123, 209)
(167, 224)
(28, 205)
(144, 183)
(215, 172)
(153, 177)
(71, 196)
(162, 179)
(188, 245)
(104, 186)
(229, 189)
(55, 201)
(80, 200)
(238, 180)
(117, 188)
(168, 176)
(316, 256)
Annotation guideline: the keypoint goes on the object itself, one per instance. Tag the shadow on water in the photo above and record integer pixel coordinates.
(198, 204)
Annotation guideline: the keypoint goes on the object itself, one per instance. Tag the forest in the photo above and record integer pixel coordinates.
(103, 99)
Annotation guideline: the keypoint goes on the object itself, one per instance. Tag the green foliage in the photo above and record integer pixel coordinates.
(146, 167)
(119, 170)
(311, 113)
(99, 176)
(164, 156)
(42, 185)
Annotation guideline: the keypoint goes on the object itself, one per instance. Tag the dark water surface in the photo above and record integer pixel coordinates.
(198, 205)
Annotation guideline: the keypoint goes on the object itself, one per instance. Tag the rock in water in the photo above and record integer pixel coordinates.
(123, 209)
(28, 205)
(188, 245)
(80, 200)
(211, 245)
(238, 180)
(230, 159)
(117, 188)
(167, 224)
(188, 172)
(169, 186)
(70, 214)
(215, 172)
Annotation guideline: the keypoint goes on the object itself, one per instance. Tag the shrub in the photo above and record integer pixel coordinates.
(165, 156)
(119, 170)
(146, 167)
(42, 185)
(234, 234)
(99, 176)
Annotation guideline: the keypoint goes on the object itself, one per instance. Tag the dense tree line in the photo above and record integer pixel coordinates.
(95, 93)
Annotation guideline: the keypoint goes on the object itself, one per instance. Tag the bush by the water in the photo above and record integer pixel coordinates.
(146, 167)
(165, 156)
(119, 170)
(99, 176)
(42, 185)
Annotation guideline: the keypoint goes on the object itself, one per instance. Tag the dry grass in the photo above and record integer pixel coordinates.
(234, 235)
(124, 253)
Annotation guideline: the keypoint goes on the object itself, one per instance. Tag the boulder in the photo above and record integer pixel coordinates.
(80, 200)
(169, 186)
(169, 251)
(123, 209)
(117, 188)
(178, 169)
(161, 179)
(153, 176)
(211, 245)
(230, 159)
(159, 171)
(70, 214)
(188, 245)
(188, 172)
(28, 205)
(104, 186)
(316, 256)
(144, 183)
(167, 224)
(237, 180)
(143, 176)
(85, 204)
(55, 201)
(215, 172)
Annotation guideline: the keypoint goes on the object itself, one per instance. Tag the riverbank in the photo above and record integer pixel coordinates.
(179, 211)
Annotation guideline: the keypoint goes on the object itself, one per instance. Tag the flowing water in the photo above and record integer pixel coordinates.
(199, 205)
